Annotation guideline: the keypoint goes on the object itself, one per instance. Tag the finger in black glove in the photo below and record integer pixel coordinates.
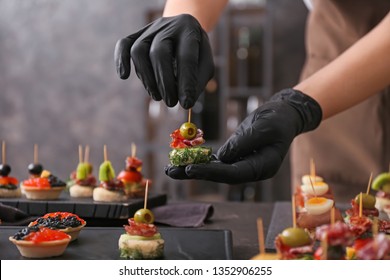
(257, 148)
(172, 57)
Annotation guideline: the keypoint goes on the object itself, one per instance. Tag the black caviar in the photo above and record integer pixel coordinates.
(58, 222)
(55, 182)
(21, 234)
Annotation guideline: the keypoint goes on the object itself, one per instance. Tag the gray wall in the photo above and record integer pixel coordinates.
(58, 85)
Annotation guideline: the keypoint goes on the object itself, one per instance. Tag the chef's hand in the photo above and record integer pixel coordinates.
(172, 57)
(257, 148)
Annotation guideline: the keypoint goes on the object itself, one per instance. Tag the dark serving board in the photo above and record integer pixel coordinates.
(282, 219)
(84, 207)
(102, 244)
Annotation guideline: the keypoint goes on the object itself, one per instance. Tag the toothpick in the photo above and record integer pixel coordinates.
(312, 168)
(375, 227)
(146, 193)
(105, 152)
(189, 115)
(86, 154)
(369, 184)
(375, 233)
(332, 216)
(312, 187)
(324, 246)
(35, 153)
(133, 149)
(80, 153)
(3, 151)
(260, 234)
(361, 204)
(294, 218)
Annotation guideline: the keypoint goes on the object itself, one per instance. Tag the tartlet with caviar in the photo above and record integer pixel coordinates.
(40, 242)
(63, 221)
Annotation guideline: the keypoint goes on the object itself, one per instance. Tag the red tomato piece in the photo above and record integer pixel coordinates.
(129, 176)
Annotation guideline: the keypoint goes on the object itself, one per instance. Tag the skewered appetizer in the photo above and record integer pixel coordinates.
(82, 182)
(337, 238)
(132, 178)
(381, 184)
(42, 184)
(317, 212)
(368, 207)
(63, 221)
(8, 185)
(142, 239)
(110, 189)
(311, 186)
(40, 242)
(368, 210)
(186, 143)
(294, 244)
(377, 248)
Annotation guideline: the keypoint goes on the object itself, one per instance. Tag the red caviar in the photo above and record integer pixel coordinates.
(37, 182)
(46, 234)
(5, 180)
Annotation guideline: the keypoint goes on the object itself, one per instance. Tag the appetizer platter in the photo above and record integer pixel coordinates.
(97, 243)
(8, 185)
(114, 197)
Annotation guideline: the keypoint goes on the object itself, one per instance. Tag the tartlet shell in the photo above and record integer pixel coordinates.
(42, 194)
(44, 249)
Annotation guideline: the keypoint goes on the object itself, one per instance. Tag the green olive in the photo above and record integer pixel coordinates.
(144, 216)
(188, 130)
(295, 237)
(368, 200)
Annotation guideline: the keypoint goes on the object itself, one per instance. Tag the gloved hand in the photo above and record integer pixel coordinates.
(257, 148)
(172, 57)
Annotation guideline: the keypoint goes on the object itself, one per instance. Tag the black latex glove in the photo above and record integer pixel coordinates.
(257, 148)
(172, 57)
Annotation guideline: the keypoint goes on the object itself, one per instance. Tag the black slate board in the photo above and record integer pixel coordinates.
(85, 207)
(102, 244)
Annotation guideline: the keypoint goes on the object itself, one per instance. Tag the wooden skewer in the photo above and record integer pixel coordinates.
(312, 169)
(35, 153)
(260, 233)
(324, 246)
(146, 193)
(189, 115)
(86, 154)
(80, 153)
(133, 150)
(369, 184)
(332, 216)
(361, 205)
(294, 217)
(375, 233)
(105, 152)
(3, 152)
(312, 186)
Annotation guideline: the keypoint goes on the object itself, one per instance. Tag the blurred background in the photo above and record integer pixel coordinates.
(59, 88)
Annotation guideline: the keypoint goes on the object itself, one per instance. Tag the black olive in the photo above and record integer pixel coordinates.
(5, 169)
(35, 168)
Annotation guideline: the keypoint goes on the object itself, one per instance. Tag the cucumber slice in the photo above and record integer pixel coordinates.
(381, 182)
(139, 237)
